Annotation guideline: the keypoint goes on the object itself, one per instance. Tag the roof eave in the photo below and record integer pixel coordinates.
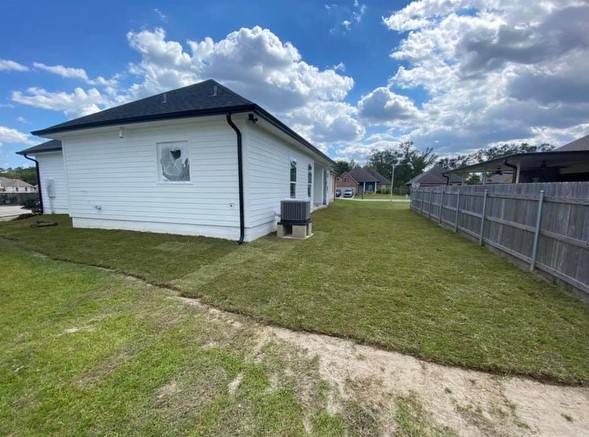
(31, 152)
(187, 114)
(144, 118)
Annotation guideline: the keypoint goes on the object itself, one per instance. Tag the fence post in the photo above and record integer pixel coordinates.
(429, 205)
(481, 236)
(537, 230)
(442, 204)
(457, 210)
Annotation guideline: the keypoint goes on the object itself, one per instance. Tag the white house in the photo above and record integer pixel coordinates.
(8, 185)
(199, 160)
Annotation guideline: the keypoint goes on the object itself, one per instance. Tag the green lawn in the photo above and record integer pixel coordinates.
(378, 196)
(374, 272)
(87, 352)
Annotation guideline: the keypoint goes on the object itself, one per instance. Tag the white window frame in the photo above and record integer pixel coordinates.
(182, 145)
(292, 184)
(310, 177)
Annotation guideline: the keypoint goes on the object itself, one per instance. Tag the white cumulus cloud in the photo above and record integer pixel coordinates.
(255, 63)
(9, 65)
(77, 103)
(384, 106)
(60, 70)
(494, 70)
(13, 136)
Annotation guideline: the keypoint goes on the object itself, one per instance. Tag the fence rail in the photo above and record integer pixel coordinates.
(545, 225)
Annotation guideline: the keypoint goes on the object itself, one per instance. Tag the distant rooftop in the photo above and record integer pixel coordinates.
(9, 182)
(580, 144)
(434, 176)
(568, 154)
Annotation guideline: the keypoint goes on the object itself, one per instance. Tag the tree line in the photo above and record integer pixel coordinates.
(410, 161)
(27, 174)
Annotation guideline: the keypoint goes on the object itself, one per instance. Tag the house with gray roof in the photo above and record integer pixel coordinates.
(8, 185)
(362, 180)
(433, 177)
(199, 160)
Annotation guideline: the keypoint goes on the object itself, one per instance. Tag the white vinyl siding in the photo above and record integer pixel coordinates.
(51, 168)
(268, 178)
(115, 182)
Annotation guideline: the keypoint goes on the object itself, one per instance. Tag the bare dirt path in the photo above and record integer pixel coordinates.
(465, 402)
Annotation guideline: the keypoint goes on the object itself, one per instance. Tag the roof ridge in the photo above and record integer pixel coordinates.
(147, 101)
(229, 90)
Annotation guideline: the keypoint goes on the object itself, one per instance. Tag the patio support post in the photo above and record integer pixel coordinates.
(537, 231)
(457, 209)
(481, 236)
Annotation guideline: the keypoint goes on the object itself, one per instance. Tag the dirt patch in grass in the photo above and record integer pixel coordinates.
(413, 420)
(377, 391)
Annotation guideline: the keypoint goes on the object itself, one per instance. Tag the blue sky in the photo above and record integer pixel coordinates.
(353, 76)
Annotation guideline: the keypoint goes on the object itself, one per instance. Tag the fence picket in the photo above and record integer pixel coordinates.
(545, 224)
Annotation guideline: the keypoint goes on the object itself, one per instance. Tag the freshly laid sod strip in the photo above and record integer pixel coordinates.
(374, 272)
(158, 258)
(86, 352)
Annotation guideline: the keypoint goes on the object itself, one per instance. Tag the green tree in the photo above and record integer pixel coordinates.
(342, 166)
(27, 174)
(485, 154)
(408, 160)
(454, 162)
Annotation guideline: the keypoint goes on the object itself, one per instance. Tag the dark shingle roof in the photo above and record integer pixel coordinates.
(380, 178)
(434, 176)
(204, 98)
(580, 144)
(362, 175)
(8, 182)
(47, 146)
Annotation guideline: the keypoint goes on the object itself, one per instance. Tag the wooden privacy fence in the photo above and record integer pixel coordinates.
(545, 225)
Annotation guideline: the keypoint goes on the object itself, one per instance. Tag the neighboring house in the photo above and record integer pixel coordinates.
(8, 185)
(433, 177)
(199, 160)
(568, 163)
(51, 172)
(346, 182)
(361, 180)
(381, 181)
